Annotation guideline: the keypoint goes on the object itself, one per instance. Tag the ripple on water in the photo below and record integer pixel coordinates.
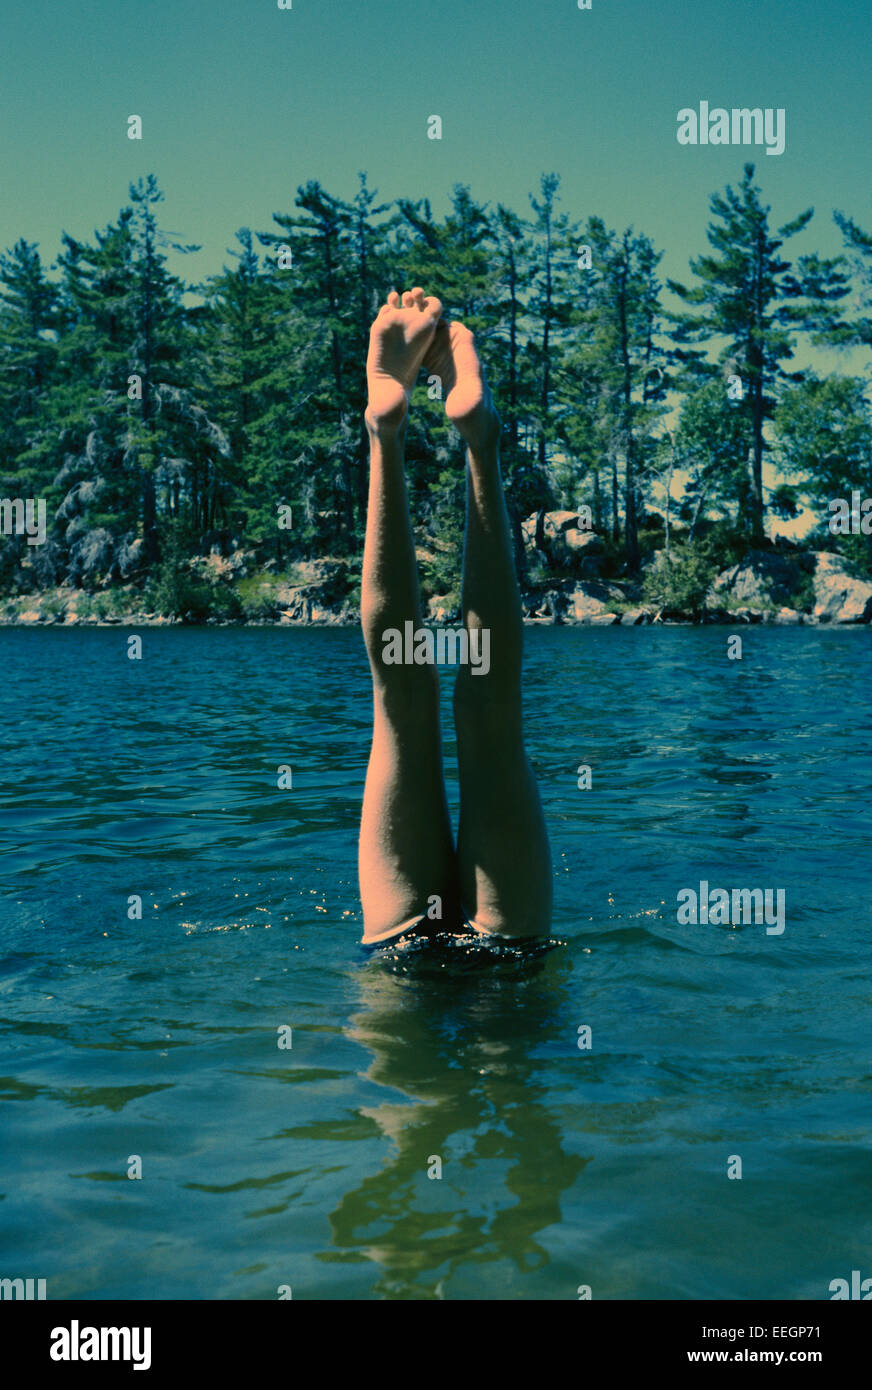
(561, 1164)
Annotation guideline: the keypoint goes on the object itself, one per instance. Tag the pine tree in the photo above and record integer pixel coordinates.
(711, 443)
(158, 352)
(509, 234)
(856, 331)
(751, 297)
(320, 241)
(136, 445)
(28, 363)
(548, 306)
(618, 369)
(28, 355)
(242, 379)
(99, 492)
(824, 437)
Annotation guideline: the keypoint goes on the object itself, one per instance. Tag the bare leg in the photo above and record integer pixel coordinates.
(406, 852)
(502, 846)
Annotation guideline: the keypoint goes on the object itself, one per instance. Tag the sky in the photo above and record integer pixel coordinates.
(241, 102)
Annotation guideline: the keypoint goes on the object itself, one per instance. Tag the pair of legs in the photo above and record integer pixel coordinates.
(498, 878)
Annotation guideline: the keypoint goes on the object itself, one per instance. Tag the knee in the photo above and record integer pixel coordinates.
(482, 704)
(406, 695)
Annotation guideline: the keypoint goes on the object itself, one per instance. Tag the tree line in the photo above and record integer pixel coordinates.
(161, 418)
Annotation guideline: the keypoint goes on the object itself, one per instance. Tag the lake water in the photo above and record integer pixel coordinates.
(308, 1166)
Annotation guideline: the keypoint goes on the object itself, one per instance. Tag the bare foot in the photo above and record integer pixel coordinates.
(468, 401)
(398, 341)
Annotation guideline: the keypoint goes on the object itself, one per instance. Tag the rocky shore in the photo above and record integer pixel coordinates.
(788, 588)
(812, 587)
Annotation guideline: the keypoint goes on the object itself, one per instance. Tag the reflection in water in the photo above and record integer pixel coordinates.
(158, 1037)
(458, 1027)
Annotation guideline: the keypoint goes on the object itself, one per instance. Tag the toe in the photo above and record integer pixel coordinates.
(408, 301)
(432, 306)
(418, 297)
(393, 300)
(463, 351)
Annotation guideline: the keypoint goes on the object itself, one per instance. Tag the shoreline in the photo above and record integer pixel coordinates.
(714, 618)
(784, 587)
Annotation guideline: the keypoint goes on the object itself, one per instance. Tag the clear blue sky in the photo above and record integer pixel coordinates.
(242, 102)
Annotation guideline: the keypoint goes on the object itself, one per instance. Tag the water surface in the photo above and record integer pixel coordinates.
(308, 1167)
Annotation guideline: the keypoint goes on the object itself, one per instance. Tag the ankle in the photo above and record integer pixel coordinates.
(387, 427)
(483, 451)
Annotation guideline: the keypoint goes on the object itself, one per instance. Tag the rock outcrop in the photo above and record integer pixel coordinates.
(839, 597)
(770, 585)
(597, 601)
(781, 588)
(564, 530)
(635, 617)
(762, 580)
(305, 604)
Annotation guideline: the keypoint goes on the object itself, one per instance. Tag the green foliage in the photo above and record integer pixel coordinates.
(10, 566)
(10, 609)
(678, 582)
(824, 432)
(53, 606)
(712, 443)
(109, 605)
(754, 301)
(178, 591)
(803, 597)
(857, 552)
(722, 543)
(258, 596)
(440, 572)
(160, 420)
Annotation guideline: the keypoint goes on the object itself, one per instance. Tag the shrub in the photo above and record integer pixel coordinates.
(440, 571)
(111, 603)
(258, 595)
(176, 591)
(678, 582)
(803, 597)
(53, 606)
